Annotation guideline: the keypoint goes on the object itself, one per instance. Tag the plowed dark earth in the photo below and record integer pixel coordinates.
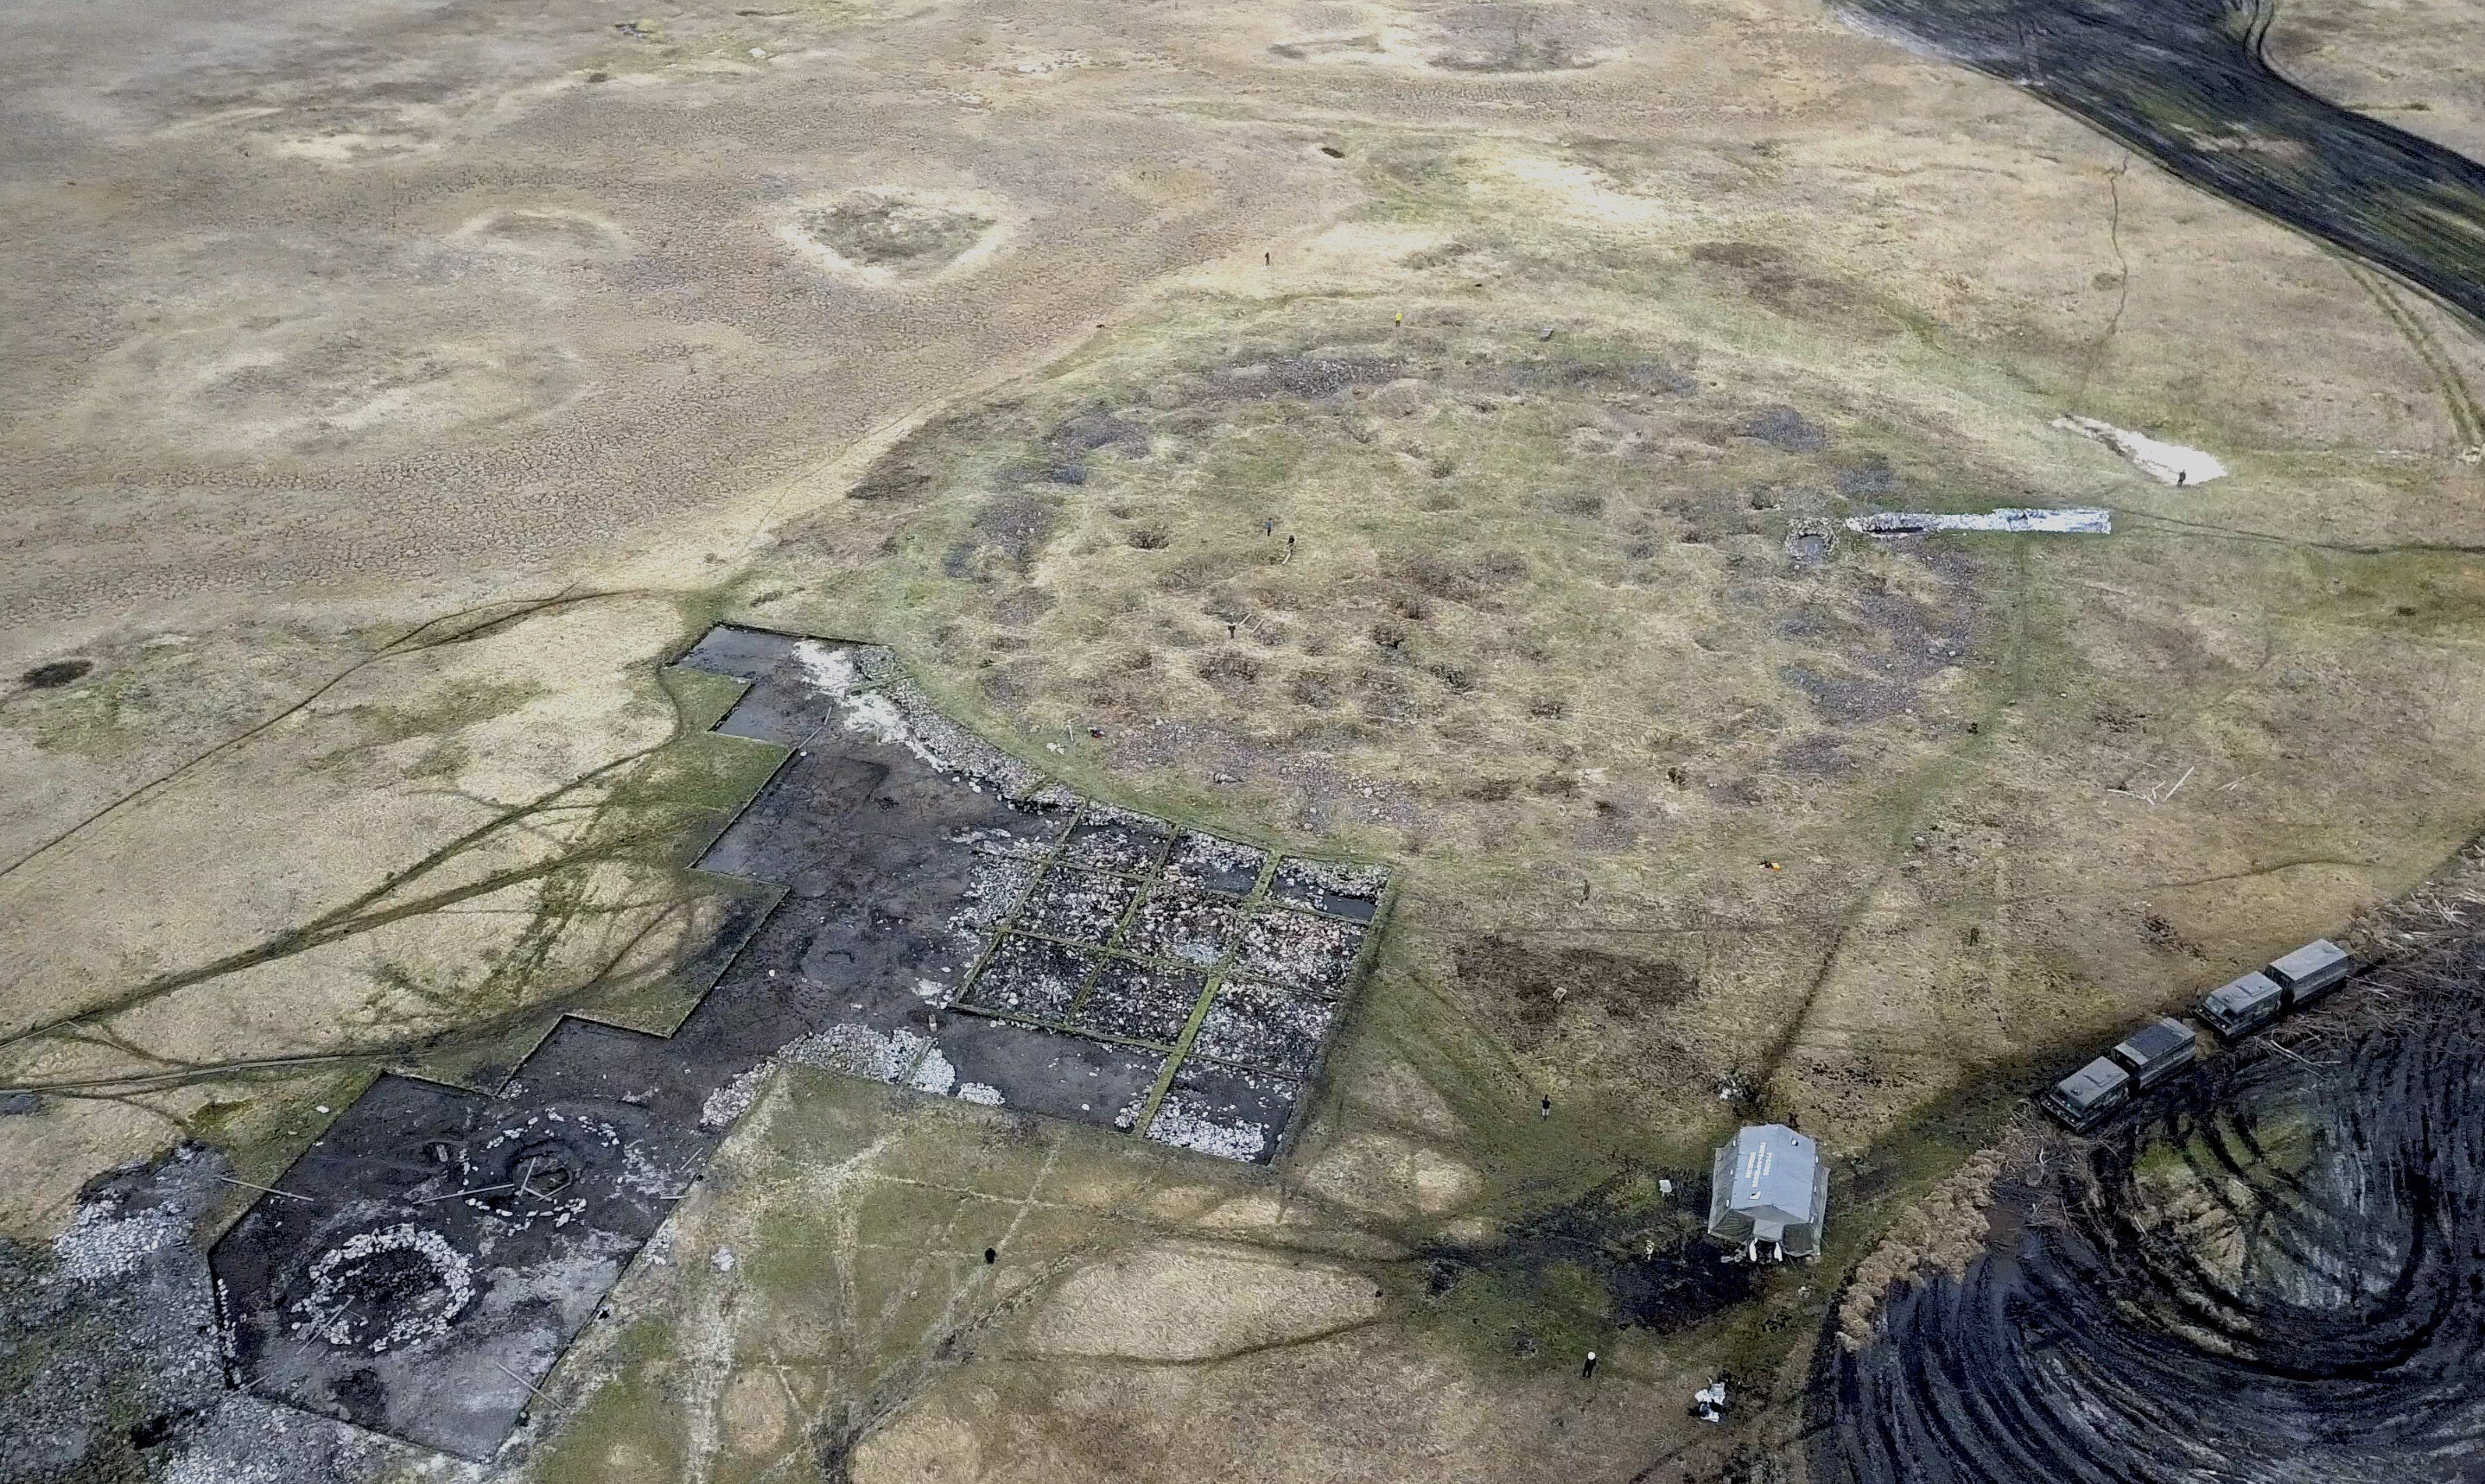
(2187, 83)
(2276, 1272)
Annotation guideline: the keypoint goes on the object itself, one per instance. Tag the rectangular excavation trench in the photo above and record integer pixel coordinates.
(945, 918)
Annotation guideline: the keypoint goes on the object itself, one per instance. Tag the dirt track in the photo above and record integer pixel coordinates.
(2274, 1272)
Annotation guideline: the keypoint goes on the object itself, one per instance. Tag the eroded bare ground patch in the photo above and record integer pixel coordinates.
(893, 236)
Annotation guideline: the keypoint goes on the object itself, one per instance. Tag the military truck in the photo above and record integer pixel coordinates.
(2083, 1099)
(2312, 971)
(2234, 1010)
(2239, 1007)
(2138, 1062)
(2156, 1052)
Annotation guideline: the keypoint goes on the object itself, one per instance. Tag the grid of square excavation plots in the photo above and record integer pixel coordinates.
(1229, 964)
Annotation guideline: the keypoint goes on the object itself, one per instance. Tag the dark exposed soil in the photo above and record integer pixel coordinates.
(1784, 427)
(1012, 526)
(56, 673)
(1456, 581)
(904, 236)
(1304, 51)
(1090, 431)
(1647, 1253)
(1776, 279)
(1309, 377)
(1539, 982)
(2275, 1271)
(1520, 38)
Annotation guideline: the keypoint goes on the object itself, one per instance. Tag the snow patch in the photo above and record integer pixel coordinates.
(830, 672)
(870, 712)
(2077, 521)
(2163, 462)
(876, 716)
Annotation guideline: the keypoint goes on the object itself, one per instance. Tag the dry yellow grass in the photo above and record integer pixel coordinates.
(1537, 330)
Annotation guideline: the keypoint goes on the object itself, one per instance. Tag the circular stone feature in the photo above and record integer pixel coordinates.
(533, 1174)
(553, 233)
(384, 1290)
(542, 1171)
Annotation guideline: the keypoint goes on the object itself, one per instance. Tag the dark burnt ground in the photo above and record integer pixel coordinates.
(2272, 1271)
(2185, 81)
(1625, 1254)
(941, 917)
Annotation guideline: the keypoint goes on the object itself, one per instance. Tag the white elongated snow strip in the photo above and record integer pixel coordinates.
(2163, 462)
(2076, 522)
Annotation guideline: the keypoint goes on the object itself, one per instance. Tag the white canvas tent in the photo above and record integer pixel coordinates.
(1768, 1191)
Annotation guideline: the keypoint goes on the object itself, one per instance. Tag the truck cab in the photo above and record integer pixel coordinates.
(2237, 1008)
(2083, 1099)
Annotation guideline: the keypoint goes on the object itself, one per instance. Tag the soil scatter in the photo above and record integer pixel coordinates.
(1538, 981)
(2186, 82)
(2275, 1271)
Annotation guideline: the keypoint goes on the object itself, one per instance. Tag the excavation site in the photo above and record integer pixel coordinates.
(1091, 964)
(1480, 741)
